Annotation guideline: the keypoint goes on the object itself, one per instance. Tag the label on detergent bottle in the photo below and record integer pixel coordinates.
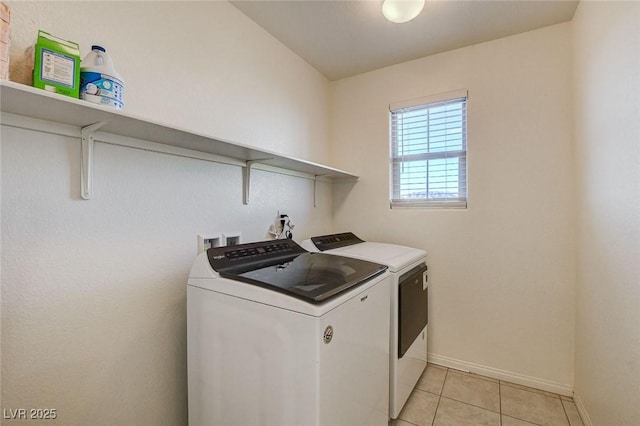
(101, 89)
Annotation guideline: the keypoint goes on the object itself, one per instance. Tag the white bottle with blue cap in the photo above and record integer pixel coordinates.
(100, 83)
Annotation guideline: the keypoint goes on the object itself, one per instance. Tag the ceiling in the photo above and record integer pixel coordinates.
(345, 38)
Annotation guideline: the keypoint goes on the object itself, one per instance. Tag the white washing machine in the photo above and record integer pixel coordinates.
(280, 336)
(409, 300)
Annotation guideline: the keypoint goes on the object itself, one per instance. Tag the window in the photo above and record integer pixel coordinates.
(429, 151)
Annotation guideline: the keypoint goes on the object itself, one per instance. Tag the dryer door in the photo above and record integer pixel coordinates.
(412, 307)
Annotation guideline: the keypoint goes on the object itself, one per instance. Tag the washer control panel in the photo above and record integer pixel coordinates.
(251, 255)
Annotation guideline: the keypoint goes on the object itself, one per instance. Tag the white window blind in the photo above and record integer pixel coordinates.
(429, 152)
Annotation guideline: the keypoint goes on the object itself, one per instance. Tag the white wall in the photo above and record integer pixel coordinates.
(606, 37)
(93, 292)
(93, 319)
(501, 272)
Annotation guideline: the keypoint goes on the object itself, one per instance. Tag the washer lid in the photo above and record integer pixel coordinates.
(285, 267)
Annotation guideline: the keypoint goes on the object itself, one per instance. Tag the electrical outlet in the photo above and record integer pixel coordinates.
(283, 225)
(278, 225)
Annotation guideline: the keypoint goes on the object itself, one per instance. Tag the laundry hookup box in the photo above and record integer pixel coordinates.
(57, 65)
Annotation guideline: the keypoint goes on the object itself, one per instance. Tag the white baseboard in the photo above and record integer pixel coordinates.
(509, 376)
(582, 411)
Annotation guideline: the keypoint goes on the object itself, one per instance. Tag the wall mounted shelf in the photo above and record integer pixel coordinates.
(90, 122)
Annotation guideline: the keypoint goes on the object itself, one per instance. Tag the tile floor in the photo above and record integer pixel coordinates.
(447, 397)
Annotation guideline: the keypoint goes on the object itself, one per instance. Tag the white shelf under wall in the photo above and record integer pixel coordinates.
(24, 106)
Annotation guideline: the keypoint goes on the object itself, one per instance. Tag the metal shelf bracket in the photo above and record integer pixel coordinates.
(86, 148)
(315, 190)
(246, 180)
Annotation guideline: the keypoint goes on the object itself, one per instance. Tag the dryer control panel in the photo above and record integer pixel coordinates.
(334, 241)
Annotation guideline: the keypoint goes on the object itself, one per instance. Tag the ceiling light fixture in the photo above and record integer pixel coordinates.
(400, 11)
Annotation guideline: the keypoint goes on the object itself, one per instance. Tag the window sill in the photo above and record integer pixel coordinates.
(431, 205)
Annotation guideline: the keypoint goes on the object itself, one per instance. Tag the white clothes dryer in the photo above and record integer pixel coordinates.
(408, 305)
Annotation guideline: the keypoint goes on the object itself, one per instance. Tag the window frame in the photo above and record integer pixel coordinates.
(462, 155)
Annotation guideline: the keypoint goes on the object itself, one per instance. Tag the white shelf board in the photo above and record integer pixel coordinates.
(31, 102)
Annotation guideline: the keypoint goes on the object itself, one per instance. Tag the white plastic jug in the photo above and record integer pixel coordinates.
(100, 83)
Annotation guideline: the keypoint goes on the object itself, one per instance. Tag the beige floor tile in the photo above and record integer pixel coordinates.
(432, 379)
(454, 413)
(510, 421)
(572, 413)
(533, 407)
(420, 408)
(566, 398)
(472, 390)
